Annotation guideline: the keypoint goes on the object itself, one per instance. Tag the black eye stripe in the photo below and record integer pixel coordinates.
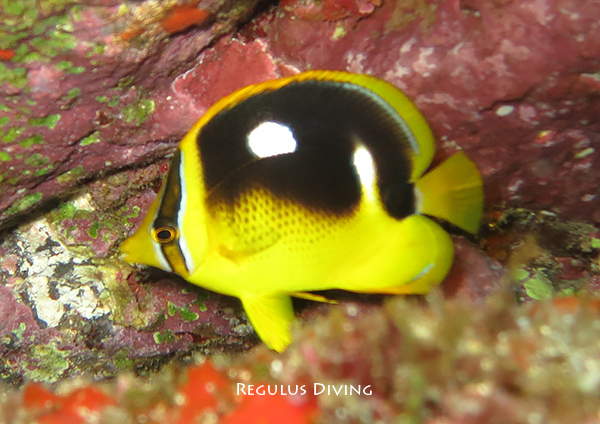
(170, 202)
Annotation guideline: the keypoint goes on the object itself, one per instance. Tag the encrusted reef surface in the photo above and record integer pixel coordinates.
(405, 362)
(95, 95)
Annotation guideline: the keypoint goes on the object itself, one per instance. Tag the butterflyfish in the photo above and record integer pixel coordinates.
(305, 183)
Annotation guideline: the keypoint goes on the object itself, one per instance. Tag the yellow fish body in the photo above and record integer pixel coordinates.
(310, 182)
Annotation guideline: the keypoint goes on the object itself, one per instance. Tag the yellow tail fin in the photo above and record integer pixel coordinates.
(271, 316)
(453, 191)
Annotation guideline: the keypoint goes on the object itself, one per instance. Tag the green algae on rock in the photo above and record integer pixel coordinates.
(407, 11)
(164, 336)
(91, 139)
(185, 313)
(49, 121)
(64, 55)
(49, 363)
(24, 203)
(139, 110)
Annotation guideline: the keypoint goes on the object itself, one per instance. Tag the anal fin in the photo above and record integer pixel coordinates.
(271, 315)
(313, 297)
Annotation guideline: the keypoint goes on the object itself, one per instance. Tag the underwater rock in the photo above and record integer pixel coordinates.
(64, 311)
(80, 94)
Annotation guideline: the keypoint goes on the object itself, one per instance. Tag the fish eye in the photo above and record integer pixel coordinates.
(164, 235)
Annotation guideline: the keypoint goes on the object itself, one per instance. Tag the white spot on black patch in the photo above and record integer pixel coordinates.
(271, 139)
(365, 168)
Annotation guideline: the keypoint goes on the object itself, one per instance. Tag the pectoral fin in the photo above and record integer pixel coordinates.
(256, 240)
(240, 238)
(271, 316)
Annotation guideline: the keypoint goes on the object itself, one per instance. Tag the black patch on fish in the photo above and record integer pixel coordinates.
(329, 120)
